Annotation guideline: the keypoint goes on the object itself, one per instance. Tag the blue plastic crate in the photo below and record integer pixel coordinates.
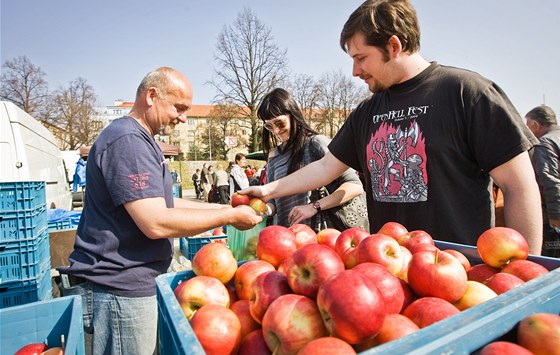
(461, 334)
(16, 293)
(24, 259)
(189, 246)
(175, 333)
(23, 224)
(22, 195)
(60, 225)
(44, 321)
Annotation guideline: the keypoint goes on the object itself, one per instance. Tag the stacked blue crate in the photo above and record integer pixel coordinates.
(24, 244)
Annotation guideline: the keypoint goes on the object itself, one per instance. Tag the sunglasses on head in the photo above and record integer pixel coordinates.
(280, 123)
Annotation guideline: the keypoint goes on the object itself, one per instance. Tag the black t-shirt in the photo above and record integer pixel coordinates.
(426, 147)
(125, 164)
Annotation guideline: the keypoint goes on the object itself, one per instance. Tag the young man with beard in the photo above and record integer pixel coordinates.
(430, 141)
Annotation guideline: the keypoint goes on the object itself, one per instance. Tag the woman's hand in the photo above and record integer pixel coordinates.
(299, 213)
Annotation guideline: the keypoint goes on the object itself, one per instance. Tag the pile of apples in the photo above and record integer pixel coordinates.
(308, 293)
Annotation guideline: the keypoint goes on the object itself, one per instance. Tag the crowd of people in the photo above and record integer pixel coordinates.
(427, 146)
(216, 185)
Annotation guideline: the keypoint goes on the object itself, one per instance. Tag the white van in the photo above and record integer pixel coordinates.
(28, 152)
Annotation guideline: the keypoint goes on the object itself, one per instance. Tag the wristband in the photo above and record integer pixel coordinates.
(316, 205)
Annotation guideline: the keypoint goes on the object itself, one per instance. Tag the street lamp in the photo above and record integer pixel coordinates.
(209, 139)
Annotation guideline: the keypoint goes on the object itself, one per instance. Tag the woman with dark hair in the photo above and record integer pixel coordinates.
(290, 143)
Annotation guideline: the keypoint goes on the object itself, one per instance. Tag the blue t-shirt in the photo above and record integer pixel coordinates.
(125, 164)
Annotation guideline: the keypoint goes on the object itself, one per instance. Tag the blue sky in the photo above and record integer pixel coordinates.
(113, 44)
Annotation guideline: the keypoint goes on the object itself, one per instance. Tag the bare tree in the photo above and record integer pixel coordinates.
(227, 120)
(73, 114)
(248, 65)
(306, 92)
(339, 95)
(24, 84)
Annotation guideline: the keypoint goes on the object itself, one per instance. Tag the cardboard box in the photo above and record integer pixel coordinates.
(62, 245)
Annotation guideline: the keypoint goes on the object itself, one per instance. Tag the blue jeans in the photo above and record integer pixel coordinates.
(120, 325)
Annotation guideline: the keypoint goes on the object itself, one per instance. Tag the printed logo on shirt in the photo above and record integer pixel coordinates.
(139, 181)
(397, 162)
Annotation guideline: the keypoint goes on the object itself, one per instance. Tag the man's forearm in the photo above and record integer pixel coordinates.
(521, 215)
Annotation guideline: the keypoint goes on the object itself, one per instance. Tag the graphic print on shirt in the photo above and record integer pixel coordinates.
(397, 163)
(139, 181)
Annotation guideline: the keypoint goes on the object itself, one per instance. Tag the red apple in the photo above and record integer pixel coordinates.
(383, 250)
(290, 322)
(409, 296)
(481, 272)
(254, 344)
(198, 291)
(503, 348)
(242, 309)
(237, 199)
(230, 286)
(503, 282)
(328, 236)
(426, 311)
(310, 266)
(215, 260)
(32, 349)
(351, 306)
(461, 257)
(415, 237)
(246, 274)
(266, 287)
(407, 256)
(388, 284)
(217, 328)
(218, 231)
(540, 333)
(415, 248)
(258, 205)
(275, 244)
(395, 326)
(437, 274)
(327, 345)
(525, 269)
(304, 234)
(346, 245)
(498, 246)
(475, 294)
(393, 229)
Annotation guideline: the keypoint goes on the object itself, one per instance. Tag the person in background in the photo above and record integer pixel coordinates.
(426, 140)
(212, 194)
(546, 162)
(175, 177)
(123, 241)
(79, 179)
(290, 143)
(237, 178)
(196, 184)
(222, 182)
(206, 181)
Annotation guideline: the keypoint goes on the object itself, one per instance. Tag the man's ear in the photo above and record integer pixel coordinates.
(151, 94)
(394, 46)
